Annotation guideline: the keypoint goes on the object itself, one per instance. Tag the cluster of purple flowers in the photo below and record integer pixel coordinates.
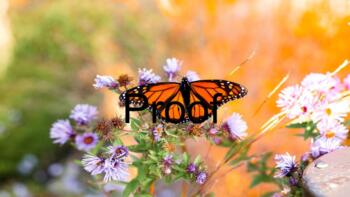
(147, 76)
(171, 68)
(112, 164)
(200, 176)
(62, 130)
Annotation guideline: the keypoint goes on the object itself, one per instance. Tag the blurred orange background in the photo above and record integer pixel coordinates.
(211, 37)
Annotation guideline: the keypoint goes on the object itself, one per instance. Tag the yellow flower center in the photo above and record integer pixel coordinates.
(328, 111)
(330, 134)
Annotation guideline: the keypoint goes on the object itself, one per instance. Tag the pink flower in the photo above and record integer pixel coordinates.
(346, 82)
(319, 82)
(236, 126)
(297, 101)
(332, 129)
(337, 110)
(335, 92)
(86, 141)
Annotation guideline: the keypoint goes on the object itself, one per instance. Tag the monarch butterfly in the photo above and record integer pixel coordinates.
(181, 102)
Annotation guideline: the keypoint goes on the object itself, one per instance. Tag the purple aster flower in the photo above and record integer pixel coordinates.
(93, 164)
(86, 141)
(102, 81)
(217, 140)
(293, 181)
(236, 126)
(61, 131)
(157, 132)
(172, 67)
(147, 77)
(324, 145)
(118, 151)
(277, 195)
(201, 178)
(305, 157)
(213, 131)
(83, 113)
(167, 162)
(286, 163)
(191, 168)
(116, 170)
(192, 76)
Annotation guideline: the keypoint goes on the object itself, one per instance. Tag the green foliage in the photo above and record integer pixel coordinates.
(263, 173)
(53, 42)
(309, 129)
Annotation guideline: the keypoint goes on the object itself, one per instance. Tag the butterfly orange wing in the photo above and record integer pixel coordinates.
(205, 90)
(155, 93)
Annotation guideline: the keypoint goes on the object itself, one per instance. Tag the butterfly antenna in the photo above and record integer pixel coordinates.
(285, 78)
(238, 66)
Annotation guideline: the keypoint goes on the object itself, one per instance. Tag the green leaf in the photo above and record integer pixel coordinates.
(269, 194)
(347, 123)
(197, 160)
(309, 131)
(211, 194)
(185, 158)
(261, 178)
(131, 187)
(297, 125)
(135, 124)
(143, 195)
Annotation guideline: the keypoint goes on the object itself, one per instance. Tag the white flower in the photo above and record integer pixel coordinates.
(335, 92)
(236, 126)
(172, 67)
(102, 81)
(337, 110)
(147, 77)
(286, 163)
(297, 101)
(346, 82)
(93, 164)
(61, 131)
(116, 170)
(84, 113)
(192, 76)
(319, 82)
(324, 145)
(332, 129)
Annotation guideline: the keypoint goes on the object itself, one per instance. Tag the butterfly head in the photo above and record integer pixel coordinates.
(185, 80)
